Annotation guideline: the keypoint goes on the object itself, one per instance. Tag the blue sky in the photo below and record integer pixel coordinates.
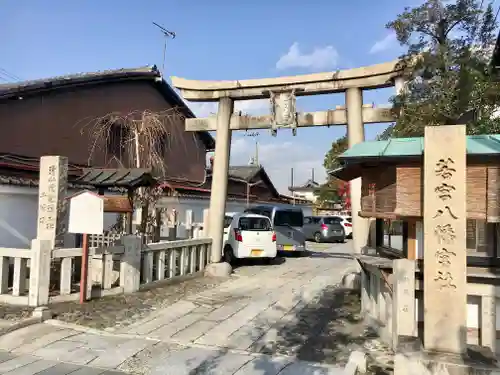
(217, 39)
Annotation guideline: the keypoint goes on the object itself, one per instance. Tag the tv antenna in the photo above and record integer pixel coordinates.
(167, 34)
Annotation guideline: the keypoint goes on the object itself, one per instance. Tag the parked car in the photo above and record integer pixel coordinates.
(287, 224)
(323, 229)
(346, 222)
(248, 236)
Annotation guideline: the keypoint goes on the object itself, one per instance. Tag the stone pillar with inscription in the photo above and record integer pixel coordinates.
(52, 207)
(445, 257)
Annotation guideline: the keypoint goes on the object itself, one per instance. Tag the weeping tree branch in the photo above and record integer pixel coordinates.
(139, 139)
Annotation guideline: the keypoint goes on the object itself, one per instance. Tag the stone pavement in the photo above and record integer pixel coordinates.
(258, 322)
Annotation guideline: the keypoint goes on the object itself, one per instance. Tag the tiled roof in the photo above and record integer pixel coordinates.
(245, 172)
(16, 89)
(126, 178)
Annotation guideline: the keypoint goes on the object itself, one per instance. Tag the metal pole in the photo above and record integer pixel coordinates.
(257, 153)
(248, 194)
(84, 269)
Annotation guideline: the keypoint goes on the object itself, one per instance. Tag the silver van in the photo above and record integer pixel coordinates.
(287, 223)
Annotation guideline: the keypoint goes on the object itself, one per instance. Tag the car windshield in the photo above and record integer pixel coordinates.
(291, 218)
(254, 224)
(227, 221)
(330, 220)
(349, 219)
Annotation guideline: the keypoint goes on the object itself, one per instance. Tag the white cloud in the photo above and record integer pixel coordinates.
(253, 107)
(320, 58)
(279, 157)
(384, 44)
(203, 109)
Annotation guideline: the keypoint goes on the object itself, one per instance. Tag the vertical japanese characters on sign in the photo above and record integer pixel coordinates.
(51, 203)
(444, 228)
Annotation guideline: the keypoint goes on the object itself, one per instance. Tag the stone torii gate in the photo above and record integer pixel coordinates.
(282, 92)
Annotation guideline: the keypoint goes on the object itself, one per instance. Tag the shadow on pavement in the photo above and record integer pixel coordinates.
(325, 330)
(318, 254)
(249, 262)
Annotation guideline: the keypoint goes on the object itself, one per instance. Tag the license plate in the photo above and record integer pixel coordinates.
(256, 252)
(288, 247)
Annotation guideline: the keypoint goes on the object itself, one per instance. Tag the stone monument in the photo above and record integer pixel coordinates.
(445, 255)
(52, 207)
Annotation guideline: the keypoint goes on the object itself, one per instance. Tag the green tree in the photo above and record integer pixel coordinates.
(329, 191)
(447, 67)
(331, 161)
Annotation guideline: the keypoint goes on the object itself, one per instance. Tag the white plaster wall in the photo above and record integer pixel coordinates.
(18, 210)
(306, 195)
(18, 216)
(198, 205)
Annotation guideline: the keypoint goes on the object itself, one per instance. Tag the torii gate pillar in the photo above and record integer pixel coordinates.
(355, 135)
(218, 193)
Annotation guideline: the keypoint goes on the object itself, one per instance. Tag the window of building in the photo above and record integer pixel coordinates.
(482, 238)
(392, 234)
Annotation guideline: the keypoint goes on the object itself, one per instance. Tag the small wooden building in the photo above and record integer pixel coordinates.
(392, 192)
(392, 199)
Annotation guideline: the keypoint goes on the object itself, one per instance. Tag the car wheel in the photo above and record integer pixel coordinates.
(317, 237)
(228, 255)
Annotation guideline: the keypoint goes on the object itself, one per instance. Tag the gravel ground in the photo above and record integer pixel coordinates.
(14, 313)
(122, 310)
(117, 311)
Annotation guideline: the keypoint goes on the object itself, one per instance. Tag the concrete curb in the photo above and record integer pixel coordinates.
(94, 331)
(39, 315)
(21, 324)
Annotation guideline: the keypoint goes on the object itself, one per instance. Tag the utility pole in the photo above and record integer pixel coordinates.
(167, 34)
(255, 135)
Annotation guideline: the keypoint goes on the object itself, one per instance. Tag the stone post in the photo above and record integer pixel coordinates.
(130, 266)
(218, 193)
(403, 300)
(40, 272)
(445, 256)
(355, 135)
(206, 222)
(189, 223)
(52, 207)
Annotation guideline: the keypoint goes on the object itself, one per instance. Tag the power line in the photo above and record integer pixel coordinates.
(5, 73)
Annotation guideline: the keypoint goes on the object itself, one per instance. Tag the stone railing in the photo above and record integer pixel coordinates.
(392, 301)
(14, 283)
(41, 275)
